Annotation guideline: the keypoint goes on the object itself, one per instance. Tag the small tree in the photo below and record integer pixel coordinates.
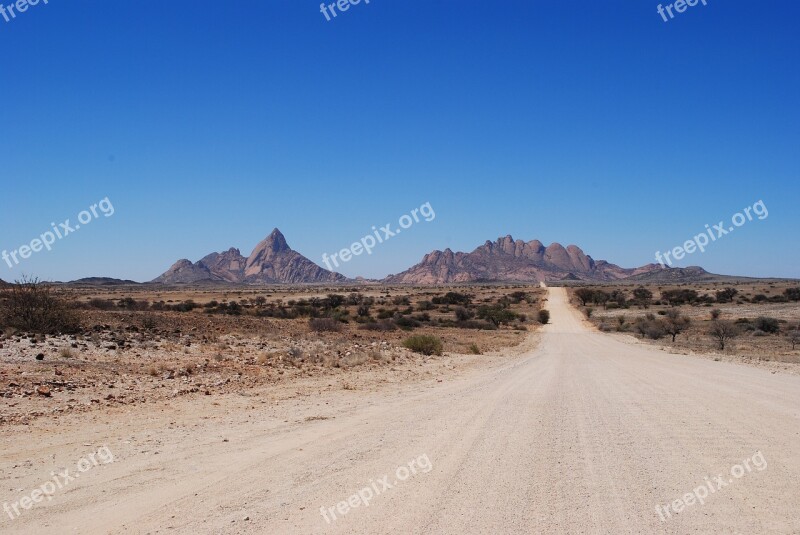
(496, 315)
(723, 331)
(643, 296)
(584, 294)
(599, 297)
(715, 313)
(726, 295)
(674, 323)
(794, 337)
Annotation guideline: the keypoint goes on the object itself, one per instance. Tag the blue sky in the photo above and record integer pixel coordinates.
(207, 124)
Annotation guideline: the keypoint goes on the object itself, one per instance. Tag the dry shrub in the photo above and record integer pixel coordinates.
(36, 307)
(383, 325)
(356, 359)
(264, 358)
(425, 344)
(149, 322)
(324, 325)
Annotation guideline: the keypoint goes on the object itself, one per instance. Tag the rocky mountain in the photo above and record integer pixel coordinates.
(507, 259)
(228, 266)
(272, 261)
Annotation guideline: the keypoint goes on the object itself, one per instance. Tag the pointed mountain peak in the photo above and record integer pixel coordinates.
(275, 241)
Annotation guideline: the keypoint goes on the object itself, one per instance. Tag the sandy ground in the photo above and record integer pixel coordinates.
(583, 434)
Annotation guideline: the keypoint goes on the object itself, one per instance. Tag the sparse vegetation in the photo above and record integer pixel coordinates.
(760, 310)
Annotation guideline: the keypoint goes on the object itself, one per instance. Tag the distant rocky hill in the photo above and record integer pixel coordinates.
(103, 281)
(272, 261)
(510, 260)
(687, 274)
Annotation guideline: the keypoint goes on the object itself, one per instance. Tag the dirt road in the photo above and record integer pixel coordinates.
(583, 435)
